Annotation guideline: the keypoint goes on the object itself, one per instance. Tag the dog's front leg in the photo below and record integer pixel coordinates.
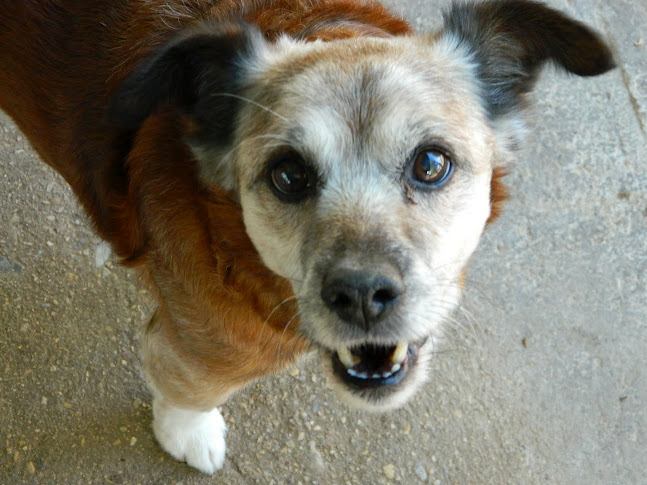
(186, 421)
(193, 366)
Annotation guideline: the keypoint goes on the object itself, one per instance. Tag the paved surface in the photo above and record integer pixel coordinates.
(544, 379)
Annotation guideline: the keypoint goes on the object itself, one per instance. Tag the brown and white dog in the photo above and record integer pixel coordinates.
(286, 174)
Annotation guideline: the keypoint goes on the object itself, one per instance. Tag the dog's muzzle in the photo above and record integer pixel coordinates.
(363, 299)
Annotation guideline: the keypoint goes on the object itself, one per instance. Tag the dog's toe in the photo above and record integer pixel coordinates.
(198, 438)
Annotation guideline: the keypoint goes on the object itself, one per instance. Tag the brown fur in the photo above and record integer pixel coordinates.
(498, 194)
(223, 312)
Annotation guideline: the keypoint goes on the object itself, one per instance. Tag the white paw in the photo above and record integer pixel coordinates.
(192, 436)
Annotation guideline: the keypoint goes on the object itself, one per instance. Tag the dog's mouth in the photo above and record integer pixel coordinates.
(370, 366)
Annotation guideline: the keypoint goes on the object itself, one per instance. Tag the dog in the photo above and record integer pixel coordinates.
(286, 175)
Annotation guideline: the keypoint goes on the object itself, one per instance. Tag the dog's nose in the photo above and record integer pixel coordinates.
(361, 298)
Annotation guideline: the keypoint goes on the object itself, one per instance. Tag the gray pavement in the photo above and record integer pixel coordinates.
(543, 380)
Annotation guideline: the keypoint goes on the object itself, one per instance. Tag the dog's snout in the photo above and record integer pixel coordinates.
(361, 298)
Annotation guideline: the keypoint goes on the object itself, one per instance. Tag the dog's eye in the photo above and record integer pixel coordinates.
(290, 177)
(431, 168)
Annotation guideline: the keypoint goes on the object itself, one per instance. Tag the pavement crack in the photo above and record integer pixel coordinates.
(633, 100)
(626, 80)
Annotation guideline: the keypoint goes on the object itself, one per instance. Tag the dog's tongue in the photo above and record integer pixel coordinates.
(373, 361)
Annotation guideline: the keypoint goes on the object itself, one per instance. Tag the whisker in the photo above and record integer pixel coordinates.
(285, 328)
(251, 101)
(269, 136)
(472, 318)
(293, 280)
(456, 325)
(267, 319)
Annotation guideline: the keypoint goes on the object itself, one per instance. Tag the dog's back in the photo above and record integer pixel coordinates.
(53, 83)
(33, 64)
(59, 62)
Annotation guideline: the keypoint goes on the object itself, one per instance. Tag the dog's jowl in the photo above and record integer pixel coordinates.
(286, 175)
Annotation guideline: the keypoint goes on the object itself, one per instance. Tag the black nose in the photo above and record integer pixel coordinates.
(361, 298)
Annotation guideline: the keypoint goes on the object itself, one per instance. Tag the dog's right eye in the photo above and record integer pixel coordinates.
(290, 177)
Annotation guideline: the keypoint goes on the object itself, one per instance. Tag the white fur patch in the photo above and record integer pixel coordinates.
(198, 438)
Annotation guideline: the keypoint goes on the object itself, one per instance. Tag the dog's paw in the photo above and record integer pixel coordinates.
(194, 437)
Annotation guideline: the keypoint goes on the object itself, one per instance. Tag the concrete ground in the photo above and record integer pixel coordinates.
(542, 381)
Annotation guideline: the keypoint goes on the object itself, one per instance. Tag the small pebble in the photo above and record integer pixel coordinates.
(317, 459)
(133, 441)
(31, 468)
(101, 254)
(389, 471)
(421, 472)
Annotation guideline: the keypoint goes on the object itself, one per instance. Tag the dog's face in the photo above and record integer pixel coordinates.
(364, 166)
(365, 181)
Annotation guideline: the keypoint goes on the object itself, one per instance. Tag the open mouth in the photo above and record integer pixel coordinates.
(370, 366)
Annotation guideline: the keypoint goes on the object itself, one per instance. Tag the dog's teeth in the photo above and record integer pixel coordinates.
(347, 358)
(395, 368)
(400, 353)
(358, 375)
(376, 376)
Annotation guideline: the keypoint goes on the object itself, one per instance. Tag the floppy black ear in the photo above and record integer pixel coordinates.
(191, 72)
(510, 40)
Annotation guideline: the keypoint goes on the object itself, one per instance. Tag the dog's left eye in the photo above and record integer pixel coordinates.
(430, 168)
(290, 177)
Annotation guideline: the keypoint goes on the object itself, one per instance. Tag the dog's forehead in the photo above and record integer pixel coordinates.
(379, 96)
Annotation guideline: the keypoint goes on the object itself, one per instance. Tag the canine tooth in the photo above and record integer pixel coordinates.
(347, 358)
(395, 368)
(351, 372)
(400, 353)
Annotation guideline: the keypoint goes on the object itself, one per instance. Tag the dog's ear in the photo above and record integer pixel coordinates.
(510, 40)
(201, 74)
(198, 73)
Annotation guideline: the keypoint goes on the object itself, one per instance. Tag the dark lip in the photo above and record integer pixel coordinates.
(360, 384)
